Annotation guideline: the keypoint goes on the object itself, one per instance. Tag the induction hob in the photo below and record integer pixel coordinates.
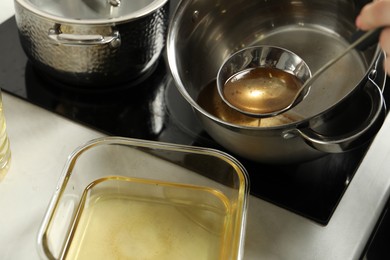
(153, 109)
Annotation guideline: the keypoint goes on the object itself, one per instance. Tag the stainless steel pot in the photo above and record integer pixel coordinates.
(92, 43)
(345, 107)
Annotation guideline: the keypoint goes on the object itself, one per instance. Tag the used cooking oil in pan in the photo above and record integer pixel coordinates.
(209, 100)
(131, 218)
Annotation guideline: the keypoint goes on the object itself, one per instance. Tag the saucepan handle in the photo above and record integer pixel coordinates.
(60, 38)
(356, 137)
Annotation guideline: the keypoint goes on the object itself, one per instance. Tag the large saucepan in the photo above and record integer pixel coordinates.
(93, 42)
(345, 107)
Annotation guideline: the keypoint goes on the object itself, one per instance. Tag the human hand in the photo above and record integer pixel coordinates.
(373, 15)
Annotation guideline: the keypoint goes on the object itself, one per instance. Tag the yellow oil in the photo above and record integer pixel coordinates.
(210, 101)
(127, 218)
(5, 152)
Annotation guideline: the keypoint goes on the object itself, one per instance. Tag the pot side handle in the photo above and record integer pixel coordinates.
(60, 38)
(364, 133)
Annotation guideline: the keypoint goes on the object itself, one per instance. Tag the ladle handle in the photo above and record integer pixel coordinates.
(372, 39)
(363, 40)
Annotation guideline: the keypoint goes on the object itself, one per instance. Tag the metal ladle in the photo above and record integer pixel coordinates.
(290, 63)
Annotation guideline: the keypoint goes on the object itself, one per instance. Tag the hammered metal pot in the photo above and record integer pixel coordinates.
(345, 106)
(93, 43)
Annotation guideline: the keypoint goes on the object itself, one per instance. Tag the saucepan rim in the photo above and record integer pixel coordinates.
(148, 9)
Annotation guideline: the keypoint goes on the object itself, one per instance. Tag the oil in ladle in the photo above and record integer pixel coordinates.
(210, 100)
(261, 90)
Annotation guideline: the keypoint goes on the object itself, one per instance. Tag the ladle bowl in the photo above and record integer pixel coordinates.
(280, 69)
(262, 88)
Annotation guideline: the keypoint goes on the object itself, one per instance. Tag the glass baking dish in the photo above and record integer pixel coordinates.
(124, 198)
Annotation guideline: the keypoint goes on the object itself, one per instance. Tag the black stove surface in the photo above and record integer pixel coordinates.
(153, 109)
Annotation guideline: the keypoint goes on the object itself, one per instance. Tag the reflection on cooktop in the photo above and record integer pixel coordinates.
(150, 109)
(153, 109)
(138, 109)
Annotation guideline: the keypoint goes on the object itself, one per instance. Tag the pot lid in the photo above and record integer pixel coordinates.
(92, 10)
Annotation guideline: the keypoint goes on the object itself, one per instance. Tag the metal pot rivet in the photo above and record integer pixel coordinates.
(373, 73)
(114, 3)
(115, 43)
(195, 16)
(288, 135)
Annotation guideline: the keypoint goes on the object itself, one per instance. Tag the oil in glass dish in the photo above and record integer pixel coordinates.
(5, 151)
(130, 218)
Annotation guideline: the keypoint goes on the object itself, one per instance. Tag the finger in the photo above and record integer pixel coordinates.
(384, 40)
(386, 65)
(373, 15)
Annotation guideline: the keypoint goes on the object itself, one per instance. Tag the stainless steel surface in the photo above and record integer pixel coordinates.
(92, 51)
(205, 34)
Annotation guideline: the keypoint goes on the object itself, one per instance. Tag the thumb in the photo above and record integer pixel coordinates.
(374, 15)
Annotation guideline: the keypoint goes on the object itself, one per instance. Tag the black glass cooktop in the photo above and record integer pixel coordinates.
(153, 109)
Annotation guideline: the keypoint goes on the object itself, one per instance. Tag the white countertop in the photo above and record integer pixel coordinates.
(41, 142)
